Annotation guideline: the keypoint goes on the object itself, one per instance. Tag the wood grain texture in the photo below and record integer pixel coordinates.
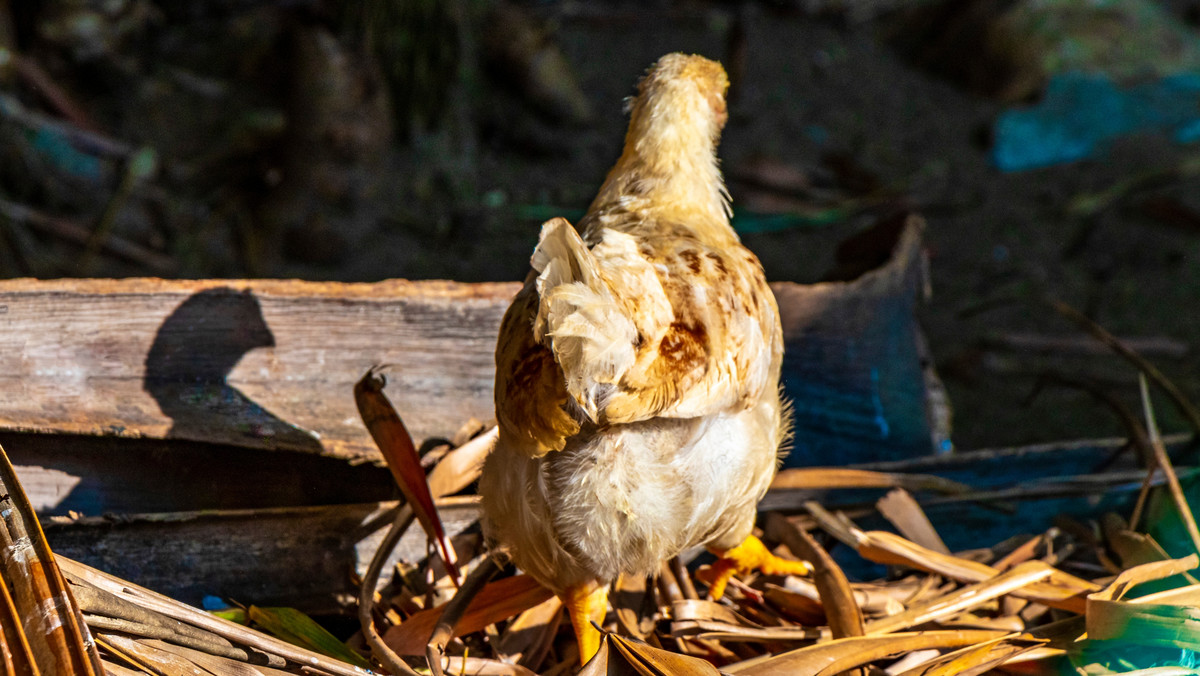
(259, 364)
(271, 364)
(305, 557)
(113, 475)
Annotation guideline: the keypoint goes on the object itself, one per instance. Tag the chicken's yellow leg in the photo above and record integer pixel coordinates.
(586, 603)
(752, 554)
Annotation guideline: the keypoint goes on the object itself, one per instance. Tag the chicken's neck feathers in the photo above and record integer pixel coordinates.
(668, 176)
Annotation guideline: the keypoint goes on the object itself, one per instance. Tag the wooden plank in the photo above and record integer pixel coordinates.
(298, 556)
(260, 364)
(271, 364)
(115, 475)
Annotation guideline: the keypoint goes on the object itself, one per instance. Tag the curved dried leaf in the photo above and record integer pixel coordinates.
(527, 638)
(825, 478)
(619, 655)
(844, 616)
(710, 620)
(160, 661)
(474, 666)
(396, 445)
(497, 601)
(461, 466)
(213, 663)
(802, 606)
(874, 599)
(903, 512)
(1061, 590)
(835, 657)
(705, 611)
(1023, 575)
(975, 659)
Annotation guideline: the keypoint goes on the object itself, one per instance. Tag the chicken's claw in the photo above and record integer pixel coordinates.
(752, 554)
(586, 603)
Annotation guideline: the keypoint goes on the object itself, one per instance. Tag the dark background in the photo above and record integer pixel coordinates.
(426, 139)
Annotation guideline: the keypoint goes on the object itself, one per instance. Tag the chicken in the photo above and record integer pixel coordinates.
(637, 371)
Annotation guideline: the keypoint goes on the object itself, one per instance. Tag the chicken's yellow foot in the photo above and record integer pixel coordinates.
(586, 603)
(752, 554)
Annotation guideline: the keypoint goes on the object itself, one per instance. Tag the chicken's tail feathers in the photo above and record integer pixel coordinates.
(580, 317)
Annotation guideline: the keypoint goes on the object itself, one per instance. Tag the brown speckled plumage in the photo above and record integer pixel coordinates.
(637, 372)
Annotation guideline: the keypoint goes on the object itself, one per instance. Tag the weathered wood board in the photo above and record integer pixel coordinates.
(271, 364)
(306, 557)
(113, 475)
(258, 364)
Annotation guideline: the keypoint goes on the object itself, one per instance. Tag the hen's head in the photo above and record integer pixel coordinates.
(682, 95)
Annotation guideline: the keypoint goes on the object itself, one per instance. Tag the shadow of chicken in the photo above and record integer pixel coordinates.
(637, 371)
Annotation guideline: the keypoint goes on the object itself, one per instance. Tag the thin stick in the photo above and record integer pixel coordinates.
(1100, 333)
(444, 630)
(1133, 426)
(1143, 494)
(685, 581)
(366, 595)
(40, 80)
(1164, 463)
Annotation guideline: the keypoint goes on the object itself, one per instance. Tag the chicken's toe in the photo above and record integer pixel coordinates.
(750, 555)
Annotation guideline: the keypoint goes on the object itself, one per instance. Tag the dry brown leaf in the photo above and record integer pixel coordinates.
(396, 445)
(497, 601)
(460, 467)
(975, 659)
(1027, 550)
(1011, 623)
(699, 610)
(825, 478)
(217, 665)
(970, 596)
(903, 512)
(527, 638)
(118, 670)
(910, 661)
(804, 607)
(161, 661)
(710, 620)
(834, 657)
(634, 606)
(873, 599)
(622, 656)
(475, 666)
(841, 610)
(1061, 590)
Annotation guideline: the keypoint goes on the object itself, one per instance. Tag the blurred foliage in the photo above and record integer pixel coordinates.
(418, 44)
